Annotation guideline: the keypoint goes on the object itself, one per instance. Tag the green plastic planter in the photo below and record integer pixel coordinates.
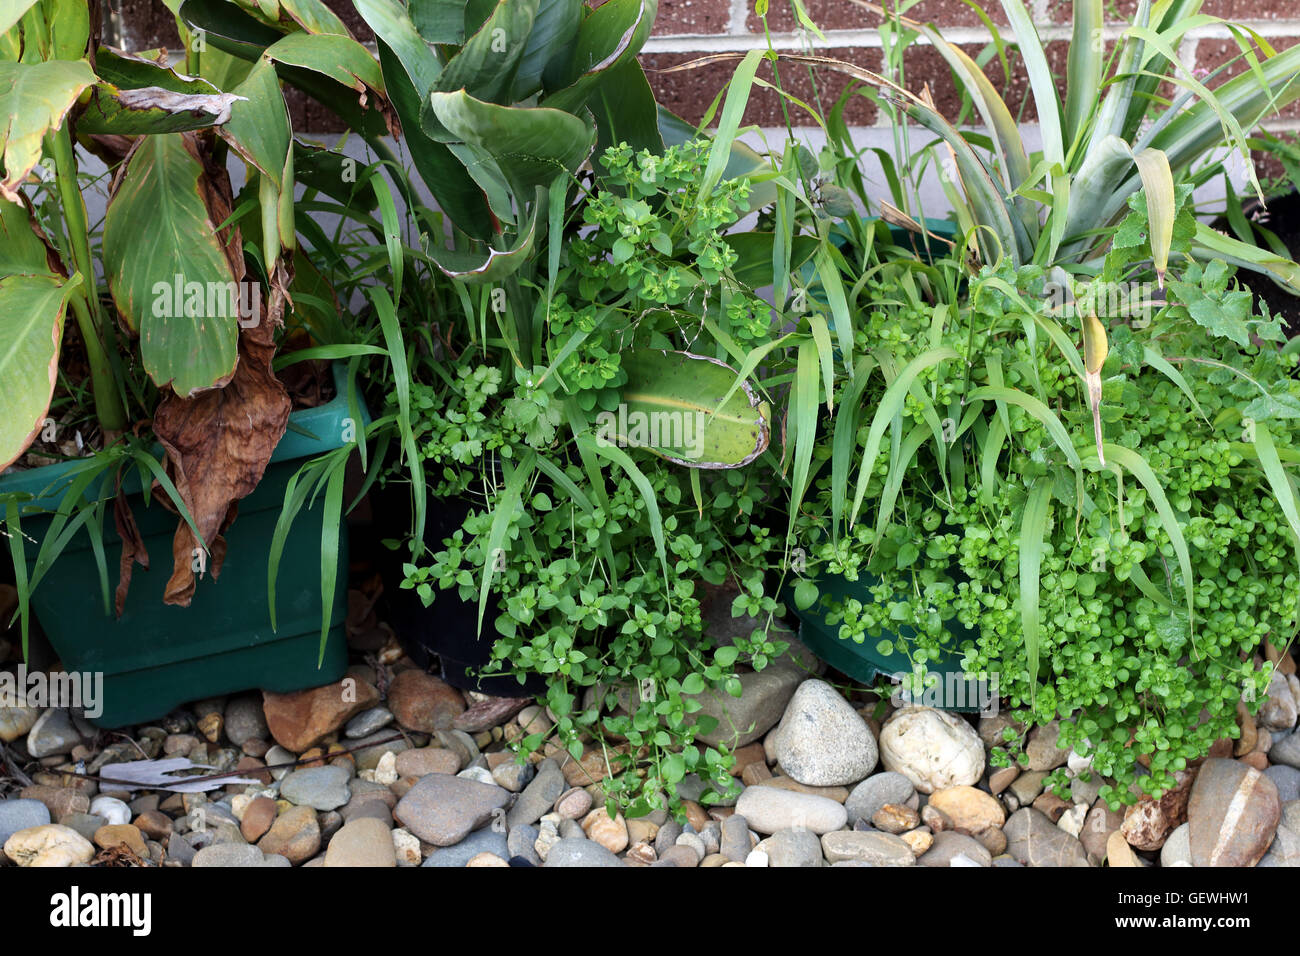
(864, 662)
(156, 656)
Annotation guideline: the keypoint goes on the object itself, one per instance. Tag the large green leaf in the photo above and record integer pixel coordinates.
(342, 59)
(309, 15)
(11, 11)
(555, 30)
(531, 146)
(485, 66)
(610, 35)
(625, 111)
(21, 249)
(34, 99)
(31, 325)
(438, 21)
(676, 405)
(480, 265)
(168, 268)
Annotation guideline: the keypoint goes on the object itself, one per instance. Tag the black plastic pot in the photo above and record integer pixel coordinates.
(443, 635)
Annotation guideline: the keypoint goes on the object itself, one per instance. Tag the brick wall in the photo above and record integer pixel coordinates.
(688, 30)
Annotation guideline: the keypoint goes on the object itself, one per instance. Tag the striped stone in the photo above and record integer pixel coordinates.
(1233, 814)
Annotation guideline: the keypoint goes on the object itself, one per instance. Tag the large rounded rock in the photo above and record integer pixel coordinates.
(877, 791)
(867, 846)
(931, 748)
(769, 810)
(423, 702)
(744, 719)
(49, 845)
(969, 809)
(365, 841)
(53, 733)
(302, 719)
(443, 810)
(1233, 814)
(18, 815)
(295, 835)
(1034, 840)
(948, 845)
(822, 742)
(579, 852)
(322, 788)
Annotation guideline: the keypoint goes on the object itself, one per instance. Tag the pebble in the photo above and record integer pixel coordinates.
(768, 810)
(295, 835)
(121, 835)
(487, 840)
(895, 818)
(53, 733)
(322, 788)
(1034, 840)
(113, 810)
(300, 720)
(245, 721)
(763, 698)
(443, 810)
(17, 721)
(611, 834)
(792, 848)
(867, 846)
(692, 841)
(229, 855)
(424, 703)
(734, 842)
(547, 837)
(84, 823)
(513, 775)
(18, 815)
(1028, 786)
(667, 836)
(406, 847)
(48, 845)
(1286, 750)
(258, 817)
(968, 808)
(422, 761)
(574, 852)
(679, 856)
(932, 748)
(949, 845)
(1042, 751)
(521, 842)
(1287, 781)
(367, 722)
(918, 840)
(573, 803)
(1278, 712)
(876, 791)
(1177, 850)
(539, 796)
(756, 857)
(1233, 814)
(822, 741)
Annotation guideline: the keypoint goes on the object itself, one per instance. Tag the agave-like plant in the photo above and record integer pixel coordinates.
(1112, 136)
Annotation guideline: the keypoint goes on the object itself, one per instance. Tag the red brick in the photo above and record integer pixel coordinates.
(1212, 54)
(692, 16)
(1251, 9)
(689, 92)
(843, 15)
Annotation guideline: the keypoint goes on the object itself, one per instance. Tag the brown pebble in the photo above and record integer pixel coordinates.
(258, 818)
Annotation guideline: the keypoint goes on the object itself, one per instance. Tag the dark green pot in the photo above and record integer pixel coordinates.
(156, 657)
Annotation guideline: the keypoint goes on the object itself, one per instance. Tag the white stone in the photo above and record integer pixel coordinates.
(407, 847)
(113, 810)
(931, 748)
(756, 858)
(1071, 820)
(386, 769)
(49, 845)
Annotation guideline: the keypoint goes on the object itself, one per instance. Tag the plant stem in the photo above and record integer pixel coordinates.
(85, 305)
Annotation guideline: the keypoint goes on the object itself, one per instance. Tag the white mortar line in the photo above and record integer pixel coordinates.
(738, 41)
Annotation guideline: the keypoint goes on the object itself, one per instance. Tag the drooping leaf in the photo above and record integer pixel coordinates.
(676, 405)
(485, 65)
(31, 326)
(34, 99)
(171, 274)
(341, 58)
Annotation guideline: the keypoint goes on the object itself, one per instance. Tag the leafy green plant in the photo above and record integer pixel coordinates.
(1119, 586)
